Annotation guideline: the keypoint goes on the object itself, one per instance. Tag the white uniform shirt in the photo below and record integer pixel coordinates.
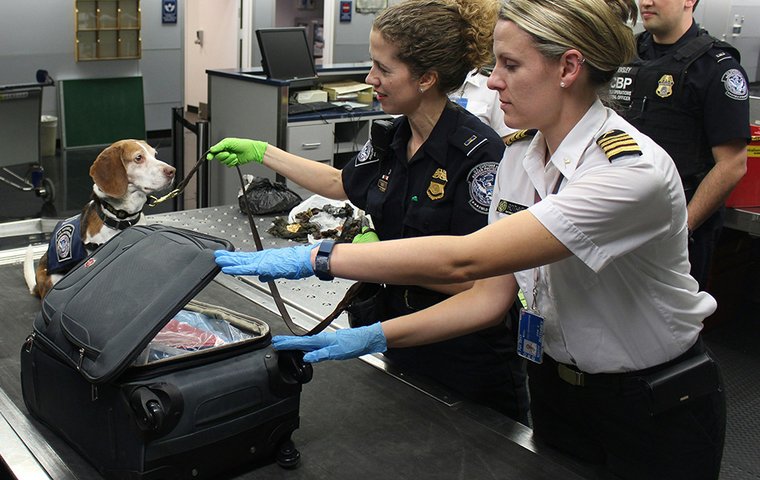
(625, 300)
(475, 96)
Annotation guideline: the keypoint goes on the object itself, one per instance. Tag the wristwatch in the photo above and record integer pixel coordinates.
(322, 262)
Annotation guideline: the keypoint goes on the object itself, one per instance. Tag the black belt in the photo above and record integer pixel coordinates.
(413, 298)
(573, 376)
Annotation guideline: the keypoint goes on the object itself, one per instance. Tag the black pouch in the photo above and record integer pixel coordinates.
(365, 304)
(681, 383)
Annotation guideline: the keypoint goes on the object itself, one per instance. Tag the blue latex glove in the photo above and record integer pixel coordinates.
(339, 345)
(268, 264)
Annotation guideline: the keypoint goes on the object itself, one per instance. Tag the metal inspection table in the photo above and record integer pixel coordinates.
(359, 418)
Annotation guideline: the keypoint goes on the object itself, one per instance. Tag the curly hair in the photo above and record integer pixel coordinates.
(450, 37)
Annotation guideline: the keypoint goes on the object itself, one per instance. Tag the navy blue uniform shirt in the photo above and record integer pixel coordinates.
(712, 90)
(444, 189)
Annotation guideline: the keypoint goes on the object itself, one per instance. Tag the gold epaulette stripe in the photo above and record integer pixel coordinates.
(518, 135)
(617, 143)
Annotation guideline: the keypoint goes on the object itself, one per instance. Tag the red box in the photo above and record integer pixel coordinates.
(747, 191)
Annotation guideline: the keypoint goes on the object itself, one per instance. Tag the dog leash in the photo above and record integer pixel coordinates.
(294, 329)
(274, 291)
(153, 200)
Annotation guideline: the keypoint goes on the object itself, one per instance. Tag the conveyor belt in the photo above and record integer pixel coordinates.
(356, 421)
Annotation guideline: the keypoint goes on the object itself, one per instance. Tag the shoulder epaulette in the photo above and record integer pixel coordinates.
(617, 143)
(518, 135)
(468, 141)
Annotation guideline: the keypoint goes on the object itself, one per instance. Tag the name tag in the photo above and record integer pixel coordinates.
(509, 208)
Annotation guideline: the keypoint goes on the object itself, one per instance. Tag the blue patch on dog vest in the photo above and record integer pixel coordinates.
(66, 248)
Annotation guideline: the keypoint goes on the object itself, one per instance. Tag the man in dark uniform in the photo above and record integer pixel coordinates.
(689, 93)
(445, 188)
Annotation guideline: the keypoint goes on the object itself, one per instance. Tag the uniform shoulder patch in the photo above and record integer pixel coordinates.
(482, 179)
(735, 85)
(519, 135)
(366, 156)
(617, 143)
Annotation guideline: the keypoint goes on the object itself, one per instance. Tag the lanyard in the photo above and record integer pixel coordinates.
(537, 198)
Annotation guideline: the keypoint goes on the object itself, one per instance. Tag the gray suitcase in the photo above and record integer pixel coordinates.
(193, 415)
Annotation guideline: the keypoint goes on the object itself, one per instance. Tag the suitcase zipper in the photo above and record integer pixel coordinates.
(29, 341)
(81, 359)
(200, 357)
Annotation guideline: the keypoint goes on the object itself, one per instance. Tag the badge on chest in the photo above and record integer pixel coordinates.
(437, 186)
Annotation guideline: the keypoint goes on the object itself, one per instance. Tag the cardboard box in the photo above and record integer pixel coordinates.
(747, 192)
(349, 91)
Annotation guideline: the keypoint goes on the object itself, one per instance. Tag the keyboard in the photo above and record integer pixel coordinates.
(298, 108)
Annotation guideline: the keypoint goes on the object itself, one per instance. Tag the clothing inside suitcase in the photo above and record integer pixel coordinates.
(224, 400)
(198, 328)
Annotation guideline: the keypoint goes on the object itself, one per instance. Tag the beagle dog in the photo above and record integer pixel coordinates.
(123, 175)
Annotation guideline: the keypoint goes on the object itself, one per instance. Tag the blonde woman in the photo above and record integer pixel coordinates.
(588, 217)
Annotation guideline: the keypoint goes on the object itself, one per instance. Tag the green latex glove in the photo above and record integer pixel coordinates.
(368, 235)
(237, 151)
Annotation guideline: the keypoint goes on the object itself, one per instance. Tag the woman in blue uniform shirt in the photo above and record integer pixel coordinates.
(436, 178)
(588, 217)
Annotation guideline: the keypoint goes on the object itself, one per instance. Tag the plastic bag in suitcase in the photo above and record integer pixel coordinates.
(90, 373)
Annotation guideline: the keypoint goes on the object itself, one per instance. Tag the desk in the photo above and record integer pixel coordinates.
(249, 105)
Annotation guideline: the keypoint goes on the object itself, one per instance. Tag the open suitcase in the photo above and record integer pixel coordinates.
(92, 371)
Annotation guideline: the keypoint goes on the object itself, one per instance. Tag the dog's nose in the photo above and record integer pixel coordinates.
(169, 171)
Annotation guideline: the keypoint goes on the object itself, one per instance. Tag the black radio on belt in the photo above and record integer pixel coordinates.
(381, 135)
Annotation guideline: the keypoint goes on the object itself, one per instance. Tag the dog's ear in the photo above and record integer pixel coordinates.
(108, 172)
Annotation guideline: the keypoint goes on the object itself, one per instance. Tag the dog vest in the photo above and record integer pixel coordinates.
(66, 249)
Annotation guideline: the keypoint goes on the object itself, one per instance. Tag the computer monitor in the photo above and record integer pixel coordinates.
(285, 55)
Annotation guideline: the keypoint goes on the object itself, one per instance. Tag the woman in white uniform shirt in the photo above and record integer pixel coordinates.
(591, 216)
(475, 96)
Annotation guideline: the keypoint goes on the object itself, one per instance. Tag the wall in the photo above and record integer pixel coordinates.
(38, 34)
(218, 20)
(718, 16)
(350, 40)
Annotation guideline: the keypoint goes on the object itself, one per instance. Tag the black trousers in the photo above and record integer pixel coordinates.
(612, 427)
(482, 366)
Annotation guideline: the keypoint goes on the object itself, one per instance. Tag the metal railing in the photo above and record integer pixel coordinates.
(201, 130)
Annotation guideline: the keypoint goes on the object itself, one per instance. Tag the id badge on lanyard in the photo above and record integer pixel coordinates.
(530, 329)
(530, 335)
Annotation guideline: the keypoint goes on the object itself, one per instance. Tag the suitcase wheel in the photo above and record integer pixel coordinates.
(157, 408)
(288, 456)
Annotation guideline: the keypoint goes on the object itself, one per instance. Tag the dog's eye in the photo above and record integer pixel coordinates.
(138, 158)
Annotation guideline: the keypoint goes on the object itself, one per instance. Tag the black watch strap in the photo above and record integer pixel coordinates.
(322, 261)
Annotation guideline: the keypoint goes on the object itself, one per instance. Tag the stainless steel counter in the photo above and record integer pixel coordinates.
(745, 219)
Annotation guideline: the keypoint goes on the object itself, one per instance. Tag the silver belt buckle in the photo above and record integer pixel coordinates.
(571, 376)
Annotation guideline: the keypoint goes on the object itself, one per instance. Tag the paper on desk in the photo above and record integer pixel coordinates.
(343, 88)
(350, 104)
